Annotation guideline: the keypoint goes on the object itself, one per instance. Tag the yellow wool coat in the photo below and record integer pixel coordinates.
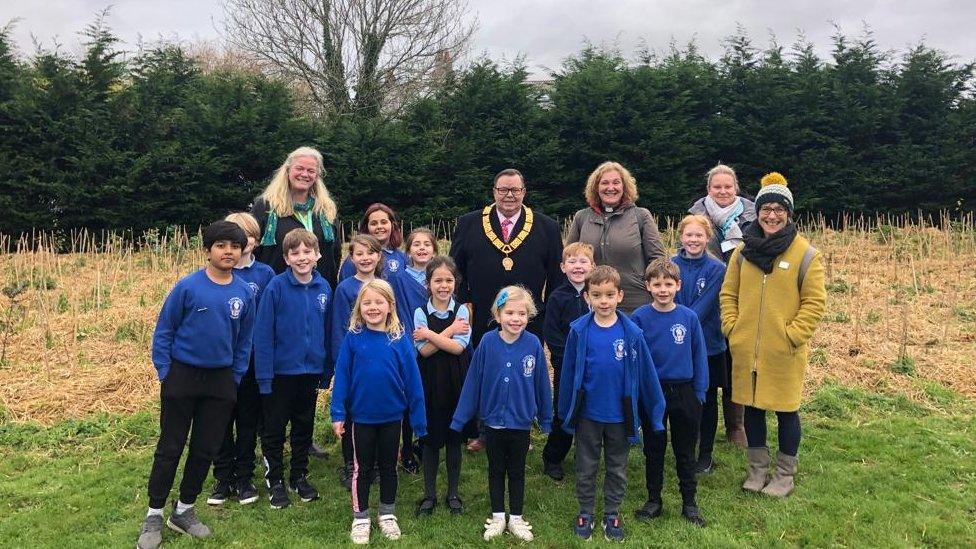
(768, 320)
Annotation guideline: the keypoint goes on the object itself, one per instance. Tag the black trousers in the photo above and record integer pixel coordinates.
(506, 449)
(292, 400)
(374, 445)
(787, 429)
(235, 461)
(407, 451)
(683, 414)
(709, 421)
(558, 442)
(195, 402)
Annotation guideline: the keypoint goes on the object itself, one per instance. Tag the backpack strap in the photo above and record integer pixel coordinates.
(804, 264)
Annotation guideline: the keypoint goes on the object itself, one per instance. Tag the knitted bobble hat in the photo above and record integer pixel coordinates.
(774, 190)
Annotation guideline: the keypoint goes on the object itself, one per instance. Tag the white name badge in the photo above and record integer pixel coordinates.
(726, 246)
(784, 265)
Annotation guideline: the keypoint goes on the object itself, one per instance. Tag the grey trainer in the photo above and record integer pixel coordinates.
(151, 535)
(188, 523)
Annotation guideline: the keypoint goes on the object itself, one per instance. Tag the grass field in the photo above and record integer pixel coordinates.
(887, 458)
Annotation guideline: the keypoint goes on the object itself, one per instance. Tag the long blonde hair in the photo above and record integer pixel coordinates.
(277, 194)
(394, 328)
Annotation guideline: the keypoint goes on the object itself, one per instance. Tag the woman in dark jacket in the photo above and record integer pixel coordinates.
(297, 198)
(623, 235)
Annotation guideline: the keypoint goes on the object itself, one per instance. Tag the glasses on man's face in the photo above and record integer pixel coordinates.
(775, 210)
(509, 191)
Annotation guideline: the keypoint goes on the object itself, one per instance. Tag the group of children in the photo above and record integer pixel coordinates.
(399, 343)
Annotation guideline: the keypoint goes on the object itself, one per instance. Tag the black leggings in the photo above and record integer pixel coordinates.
(788, 429)
(432, 458)
(374, 445)
(506, 449)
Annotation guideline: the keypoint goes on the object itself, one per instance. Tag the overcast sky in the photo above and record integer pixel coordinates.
(546, 31)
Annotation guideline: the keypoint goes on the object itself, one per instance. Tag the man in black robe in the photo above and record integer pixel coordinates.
(517, 245)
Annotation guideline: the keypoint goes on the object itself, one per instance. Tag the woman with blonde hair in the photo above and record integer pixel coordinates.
(296, 198)
(623, 235)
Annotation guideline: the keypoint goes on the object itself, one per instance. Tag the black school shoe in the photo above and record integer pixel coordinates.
(304, 489)
(411, 466)
(651, 509)
(223, 490)
(455, 504)
(704, 465)
(425, 507)
(693, 515)
(553, 470)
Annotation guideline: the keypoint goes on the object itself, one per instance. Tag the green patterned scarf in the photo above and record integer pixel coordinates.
(272, 226)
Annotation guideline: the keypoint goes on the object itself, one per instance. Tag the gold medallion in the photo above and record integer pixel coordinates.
(508, 263)
(510, 246)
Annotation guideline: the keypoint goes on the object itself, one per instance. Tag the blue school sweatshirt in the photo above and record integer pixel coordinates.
(640, 378)
(206, 325)
(394, 261)
(507, 385)
(701, 281)
(677, 345)
(377, 380)
(410, 291)
(603, 377)
(563, 306)
(257, 275)
(290, 336)
(342, 303)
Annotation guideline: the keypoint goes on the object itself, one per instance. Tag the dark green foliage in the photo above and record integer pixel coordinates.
(151, 141)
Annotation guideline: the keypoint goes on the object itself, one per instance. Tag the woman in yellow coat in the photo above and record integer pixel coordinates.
(772, 300)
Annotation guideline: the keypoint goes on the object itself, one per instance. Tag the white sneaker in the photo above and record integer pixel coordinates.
(359, 534)
(494, 527)
(520, 528)
(389, 526)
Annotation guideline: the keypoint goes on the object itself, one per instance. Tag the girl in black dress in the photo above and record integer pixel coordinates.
(441, 336)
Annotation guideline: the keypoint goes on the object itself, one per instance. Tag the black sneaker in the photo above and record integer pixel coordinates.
(613, 530)
(278, 495)
(304, 489)
(704, 465)
(693, 515)
(455, 504)
(317, 451)
(426, 506)
(223, 490)
(553, 470)
(246, 492)
(651, 509)
(345, 476)
(583, 527)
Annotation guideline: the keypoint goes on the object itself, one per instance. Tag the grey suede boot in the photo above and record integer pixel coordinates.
(758, 467)
(781, 485)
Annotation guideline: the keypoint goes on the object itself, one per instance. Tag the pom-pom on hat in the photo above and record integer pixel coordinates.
(774, 190)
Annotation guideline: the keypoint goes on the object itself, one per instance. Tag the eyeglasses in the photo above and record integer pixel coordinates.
(506, 191)
(772, 210)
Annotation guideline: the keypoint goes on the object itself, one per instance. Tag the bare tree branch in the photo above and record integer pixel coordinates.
(363, 57)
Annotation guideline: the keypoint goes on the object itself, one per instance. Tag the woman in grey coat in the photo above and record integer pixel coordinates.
(623, 235)
(730, 214)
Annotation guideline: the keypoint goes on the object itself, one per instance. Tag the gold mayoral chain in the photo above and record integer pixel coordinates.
(512, 244)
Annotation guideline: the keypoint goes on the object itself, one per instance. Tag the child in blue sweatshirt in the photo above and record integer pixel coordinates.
(564, 305)
(507, 386)
(201, 347)
(410, 290)
(608, 382)
(382, 223)
(701, 280)
(366, 256)
(234, 465)
(376, 382)
(677, 344)
(292, 363)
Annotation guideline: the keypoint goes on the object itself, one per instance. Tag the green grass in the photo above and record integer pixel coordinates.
(876, 470)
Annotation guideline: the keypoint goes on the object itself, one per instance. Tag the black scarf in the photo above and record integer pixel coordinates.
(762, 250)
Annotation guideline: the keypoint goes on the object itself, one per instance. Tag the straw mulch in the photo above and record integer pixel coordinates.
(901, 318)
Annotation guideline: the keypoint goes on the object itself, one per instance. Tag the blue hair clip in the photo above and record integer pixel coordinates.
(501, 299)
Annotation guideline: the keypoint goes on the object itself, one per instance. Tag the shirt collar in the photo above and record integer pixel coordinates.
(431, 309)
(248, 266)
(502, 218)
